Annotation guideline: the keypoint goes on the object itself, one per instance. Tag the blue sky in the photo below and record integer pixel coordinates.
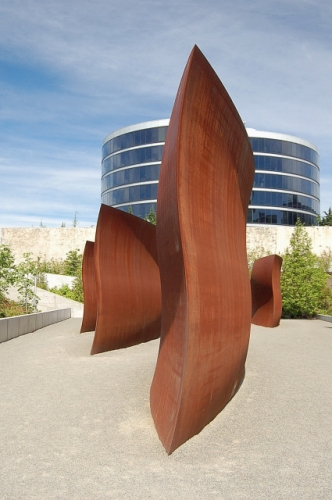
(73, 71)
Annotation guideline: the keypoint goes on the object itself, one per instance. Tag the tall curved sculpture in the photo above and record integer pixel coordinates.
(89, 289)
(204, 188)
(265, 290)
(128, 282)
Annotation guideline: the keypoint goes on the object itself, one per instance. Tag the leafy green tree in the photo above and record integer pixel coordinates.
(303, 281)
(152, 216)
(73, 263)
(26, 282)
(52, 266)
(77, 290)
(325, 260)
(7, 269)
(72, 267)
(327, 219)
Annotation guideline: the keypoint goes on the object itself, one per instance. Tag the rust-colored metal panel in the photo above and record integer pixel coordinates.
(204, 188)
(128, 281)
(89, 289)
(265, 291)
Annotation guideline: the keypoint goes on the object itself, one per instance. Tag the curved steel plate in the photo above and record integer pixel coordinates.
(265, 290)
(204, 188)
(128, 282)
(89, 289)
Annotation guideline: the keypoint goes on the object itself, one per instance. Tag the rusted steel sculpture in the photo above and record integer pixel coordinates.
(204, 188)
(89, 289)
(265, 291)
(128, 282)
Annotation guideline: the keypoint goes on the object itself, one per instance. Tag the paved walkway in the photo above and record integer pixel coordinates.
(73, 426)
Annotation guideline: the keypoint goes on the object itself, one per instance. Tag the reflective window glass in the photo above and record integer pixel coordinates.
(286, 183)
(132, 139)
(261, 216)
(130, 176)
(285, 200)
(131, 194)
(274, 146)
(286, 165)
(132, 157)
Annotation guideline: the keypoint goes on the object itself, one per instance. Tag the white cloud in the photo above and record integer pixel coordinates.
(97, 66)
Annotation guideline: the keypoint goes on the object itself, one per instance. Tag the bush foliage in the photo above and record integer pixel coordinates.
(303, 279)
(30, 274)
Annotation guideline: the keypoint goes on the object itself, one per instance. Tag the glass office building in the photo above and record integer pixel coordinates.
(286, 183)
(131, 159)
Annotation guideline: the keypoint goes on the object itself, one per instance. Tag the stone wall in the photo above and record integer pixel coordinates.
(45, 242)
(275, 239)
(55, 243)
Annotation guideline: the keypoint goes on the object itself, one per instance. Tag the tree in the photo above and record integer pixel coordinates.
(303, 281)
(7, 269)
(73, 263)
(327, 220)
(325, 260)
(72, 267)
(151, 217)
(26, 282)
(77, 290)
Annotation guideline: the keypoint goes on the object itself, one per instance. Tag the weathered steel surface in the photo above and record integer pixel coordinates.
(265, 291)
(204, 188)
(128, 282)
(89, 289)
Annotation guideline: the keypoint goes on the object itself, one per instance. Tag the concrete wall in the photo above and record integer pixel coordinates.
(55, 243)
(275, 239)
(59, 280)
(16, 326)
(48, 243)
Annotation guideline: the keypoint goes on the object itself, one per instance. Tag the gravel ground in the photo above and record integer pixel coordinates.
(75, 426)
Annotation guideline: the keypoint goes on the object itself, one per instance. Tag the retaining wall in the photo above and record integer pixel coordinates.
(16, 326)
(55, 243)
(47, 243)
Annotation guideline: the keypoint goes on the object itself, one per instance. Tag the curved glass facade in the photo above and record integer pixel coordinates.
(286, 183)
(131, 159)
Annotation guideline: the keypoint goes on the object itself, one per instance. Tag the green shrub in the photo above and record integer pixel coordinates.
(10, 308)
(73, 263)
(303, 281)
(74, 293)
(52, 266)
